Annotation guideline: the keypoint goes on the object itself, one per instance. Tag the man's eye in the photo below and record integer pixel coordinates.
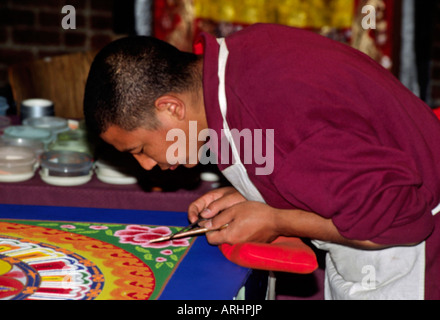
(138, 152)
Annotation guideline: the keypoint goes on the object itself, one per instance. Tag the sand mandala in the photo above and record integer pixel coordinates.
(42, 260)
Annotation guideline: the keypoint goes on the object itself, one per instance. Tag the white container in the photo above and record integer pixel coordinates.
(17, 164)
(36, 146)
(72, 140)
(54, 124)
(29, 133)
(66, 168)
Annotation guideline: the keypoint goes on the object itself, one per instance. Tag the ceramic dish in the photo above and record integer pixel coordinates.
(108, 173)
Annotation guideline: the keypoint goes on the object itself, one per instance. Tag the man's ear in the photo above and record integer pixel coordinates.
(172, 105)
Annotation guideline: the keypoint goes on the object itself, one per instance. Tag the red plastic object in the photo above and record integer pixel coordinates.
(284, 255)
(437, 112)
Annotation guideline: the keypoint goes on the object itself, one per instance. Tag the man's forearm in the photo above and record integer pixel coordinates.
(303, 224)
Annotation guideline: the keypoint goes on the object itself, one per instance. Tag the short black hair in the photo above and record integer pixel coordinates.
(128, 75)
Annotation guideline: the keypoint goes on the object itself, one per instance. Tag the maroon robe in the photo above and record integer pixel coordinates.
(351, 142)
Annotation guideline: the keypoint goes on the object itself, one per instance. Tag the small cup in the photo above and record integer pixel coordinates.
(36, 108)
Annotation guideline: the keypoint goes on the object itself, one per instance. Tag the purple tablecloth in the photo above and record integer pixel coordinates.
(96, 194)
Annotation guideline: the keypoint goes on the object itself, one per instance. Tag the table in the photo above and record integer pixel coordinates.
(203, 273)
(97, 194)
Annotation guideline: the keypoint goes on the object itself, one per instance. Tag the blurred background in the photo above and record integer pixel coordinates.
(406, 39)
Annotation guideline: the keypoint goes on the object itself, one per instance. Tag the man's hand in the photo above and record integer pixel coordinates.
(213, 202)
(246, 220)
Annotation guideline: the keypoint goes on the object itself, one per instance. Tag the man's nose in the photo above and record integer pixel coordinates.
(146, 162)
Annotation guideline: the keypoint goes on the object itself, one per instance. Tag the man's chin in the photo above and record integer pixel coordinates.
(190, 165)
(174, 167)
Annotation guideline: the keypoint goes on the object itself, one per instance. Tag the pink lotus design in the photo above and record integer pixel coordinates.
(141, 235)
(161, 259)
(68, 226)
(98, 227)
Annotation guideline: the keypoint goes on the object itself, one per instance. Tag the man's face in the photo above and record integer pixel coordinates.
(149, 147)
